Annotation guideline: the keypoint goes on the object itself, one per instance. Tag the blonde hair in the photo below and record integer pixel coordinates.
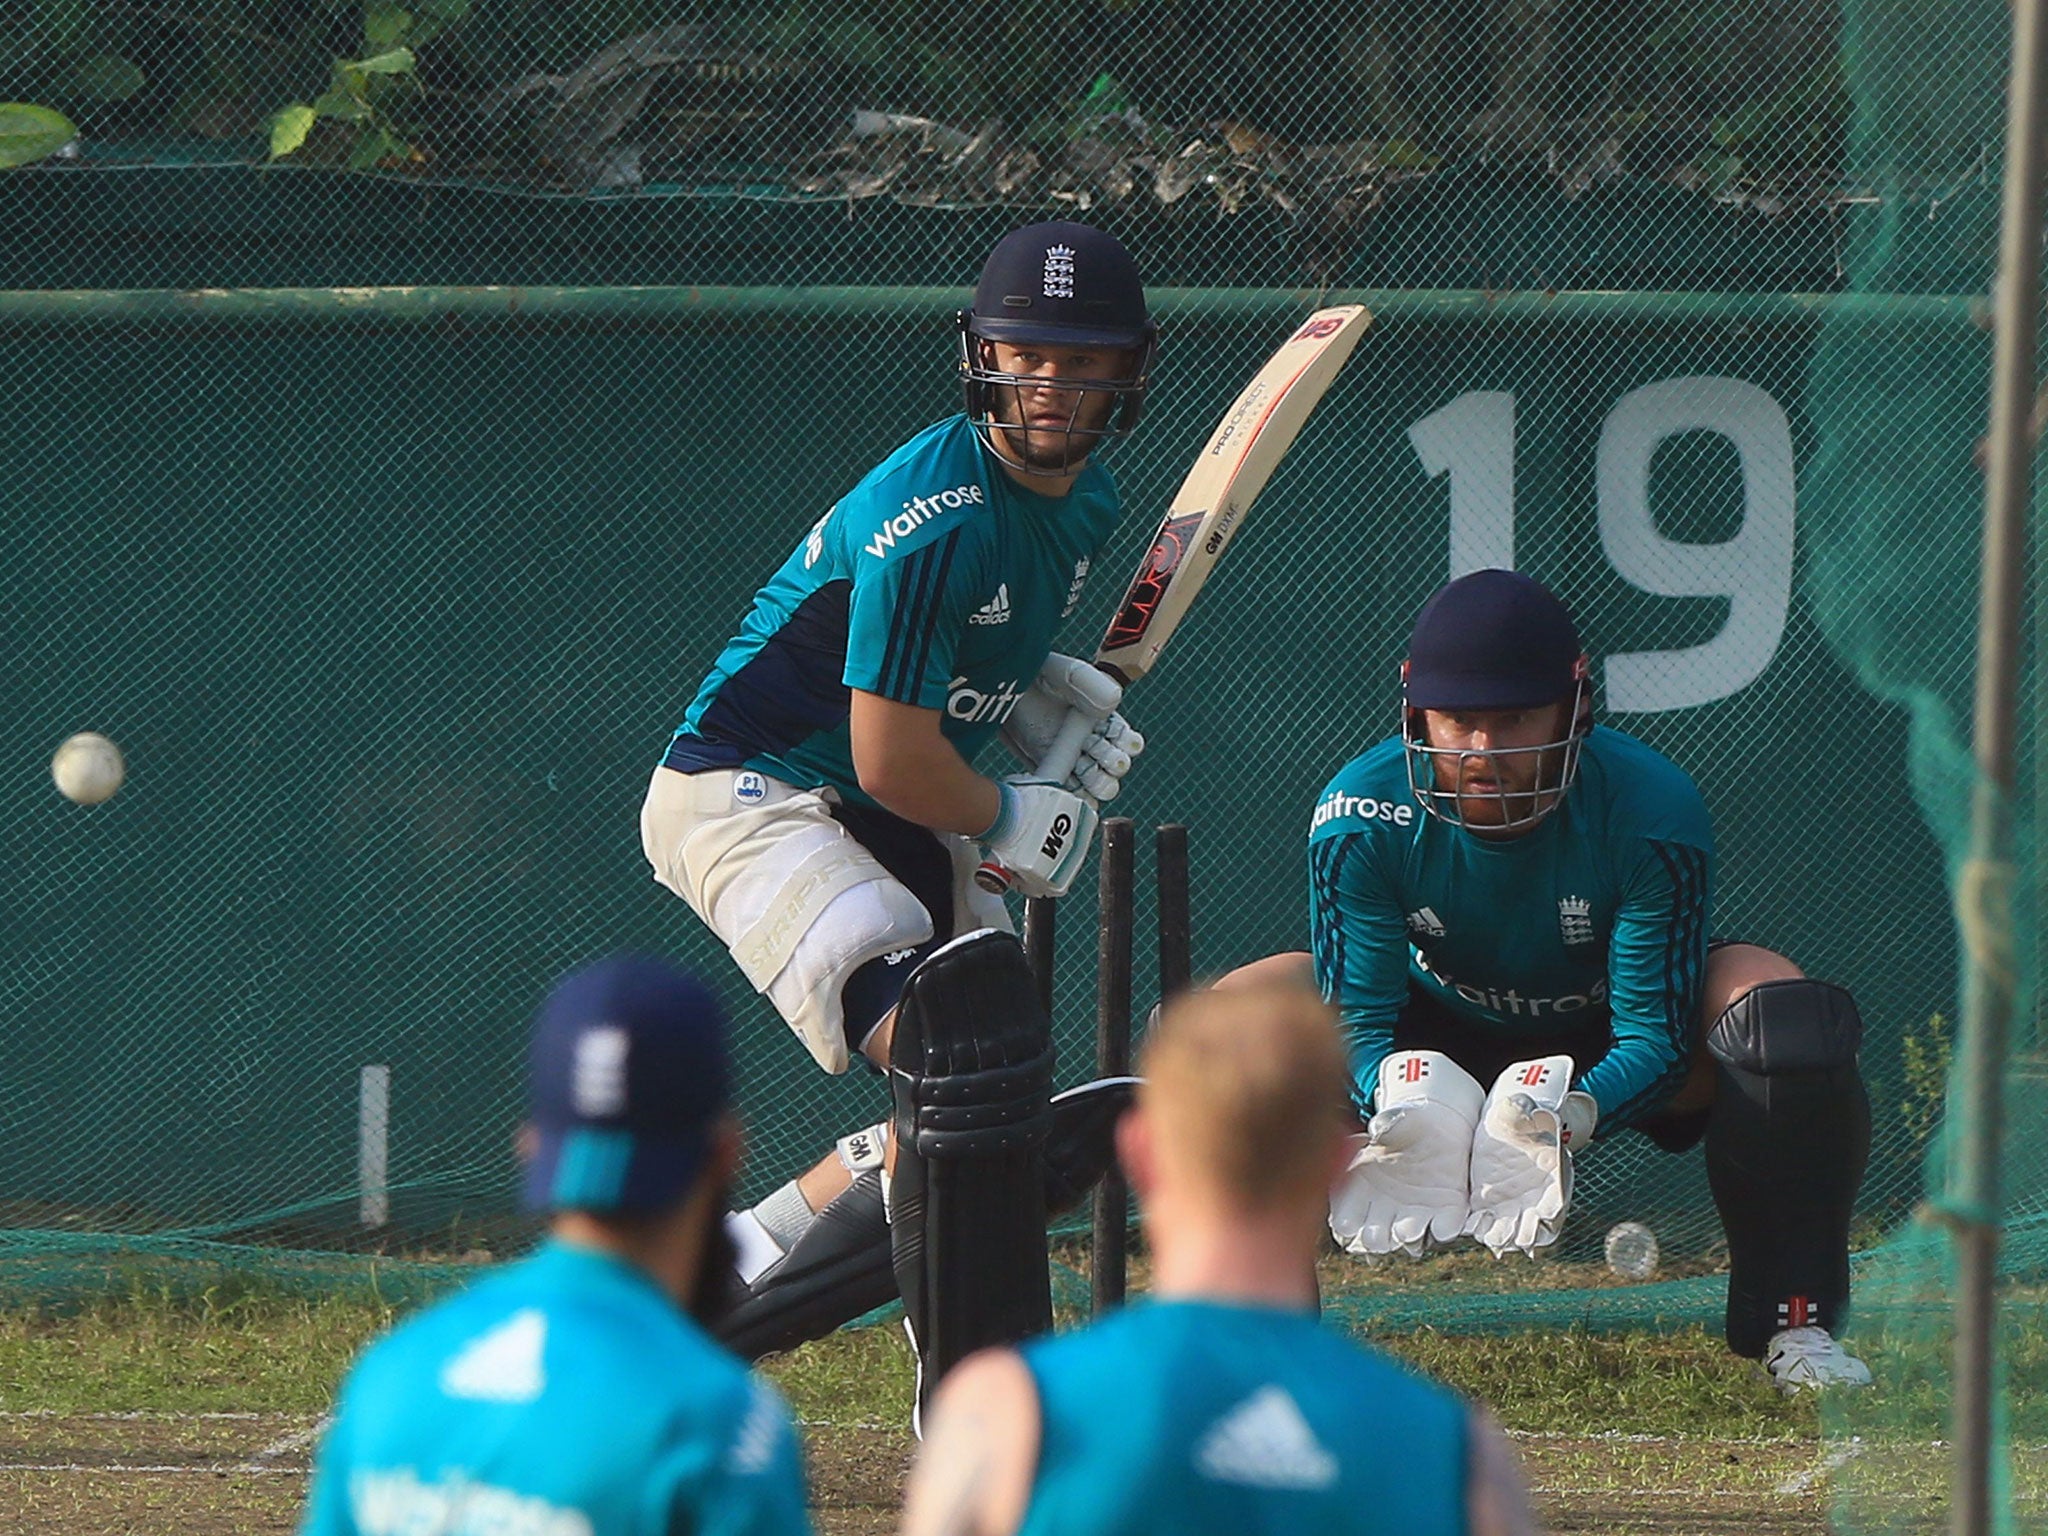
(1246, 1089)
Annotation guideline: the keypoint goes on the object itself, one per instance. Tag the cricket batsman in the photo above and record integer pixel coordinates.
(1510, 906)
(1218, 1404)
(820, 809)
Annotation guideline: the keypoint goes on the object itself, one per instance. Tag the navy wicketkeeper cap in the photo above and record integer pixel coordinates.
(629, 1077)
(1064, 284)
(1492, 640)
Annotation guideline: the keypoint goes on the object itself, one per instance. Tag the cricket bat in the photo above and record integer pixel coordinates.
(1207, 510)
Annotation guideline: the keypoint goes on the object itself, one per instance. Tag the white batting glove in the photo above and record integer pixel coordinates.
(1406, 1189)
(1068, 685)
(1522, 1155)
(1041, 835)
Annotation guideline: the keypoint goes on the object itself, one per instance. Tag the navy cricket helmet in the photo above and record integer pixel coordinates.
(1494, 640)
(1057, 284)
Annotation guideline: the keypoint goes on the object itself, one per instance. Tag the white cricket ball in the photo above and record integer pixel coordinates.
(88, 768)
(1632, 1250)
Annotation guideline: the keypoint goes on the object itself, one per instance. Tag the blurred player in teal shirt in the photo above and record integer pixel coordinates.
(1219, 1404)
(572, 1393)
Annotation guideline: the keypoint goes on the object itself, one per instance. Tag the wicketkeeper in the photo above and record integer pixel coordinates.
(1510, 905)
(821, 811)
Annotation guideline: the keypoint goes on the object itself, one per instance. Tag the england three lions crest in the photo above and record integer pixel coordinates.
(1575, 920)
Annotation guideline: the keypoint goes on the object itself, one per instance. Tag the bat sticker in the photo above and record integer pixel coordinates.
(1169, 548)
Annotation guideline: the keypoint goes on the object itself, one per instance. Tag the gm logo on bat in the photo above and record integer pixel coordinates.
(1315, 330)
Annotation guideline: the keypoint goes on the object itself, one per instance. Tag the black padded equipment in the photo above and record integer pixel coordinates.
(1080, 1142)
(841, 1267)
(1787, 1140)
(838, 1269)
(970, 1074)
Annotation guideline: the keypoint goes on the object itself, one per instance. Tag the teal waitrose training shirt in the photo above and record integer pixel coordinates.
(564, 1396)
(937, 581)
(1194, 1418)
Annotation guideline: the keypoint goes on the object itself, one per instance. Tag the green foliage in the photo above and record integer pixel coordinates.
(29, 134)
(366, 99)
(1717, 92)
(1925, 1052)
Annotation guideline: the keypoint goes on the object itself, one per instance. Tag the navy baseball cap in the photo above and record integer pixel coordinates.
(1063, 284)
(629, 1078)
(1492, 640)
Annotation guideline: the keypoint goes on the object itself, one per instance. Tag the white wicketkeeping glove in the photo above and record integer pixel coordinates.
(1041, 835)
(1406, 1187)
(1068, 685)
(1522, 1155)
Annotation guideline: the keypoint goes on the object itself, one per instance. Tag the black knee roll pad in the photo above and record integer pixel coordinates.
(971, 1058)
(1788, 1026)
(1080, 1144)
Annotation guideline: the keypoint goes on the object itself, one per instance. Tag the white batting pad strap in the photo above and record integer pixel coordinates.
(753, 1250)
(1408, 1077)
(863, 1151)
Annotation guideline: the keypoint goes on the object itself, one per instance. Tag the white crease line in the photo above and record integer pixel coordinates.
(284, 1445)
(1608, 1491)
(169, 1416)
(1840, 1456)
(210, 1469)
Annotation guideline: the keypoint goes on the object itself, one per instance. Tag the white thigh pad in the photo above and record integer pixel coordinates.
(802, 904)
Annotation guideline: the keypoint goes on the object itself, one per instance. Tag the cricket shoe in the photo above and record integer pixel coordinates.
(1809, 1360)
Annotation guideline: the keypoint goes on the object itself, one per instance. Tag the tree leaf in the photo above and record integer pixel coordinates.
(289, 127)
(397, 61)
(105, 77)
(376, 147)
(433, 17)
(29, 134)
(340, 104)
(384, 25)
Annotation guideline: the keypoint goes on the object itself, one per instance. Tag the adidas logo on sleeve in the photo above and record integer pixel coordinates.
(996, 610)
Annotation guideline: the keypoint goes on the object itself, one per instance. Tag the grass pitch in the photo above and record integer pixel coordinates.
(198, 1413)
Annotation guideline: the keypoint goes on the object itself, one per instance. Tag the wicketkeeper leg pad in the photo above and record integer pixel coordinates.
(971, 1077)
(1787, 1140)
